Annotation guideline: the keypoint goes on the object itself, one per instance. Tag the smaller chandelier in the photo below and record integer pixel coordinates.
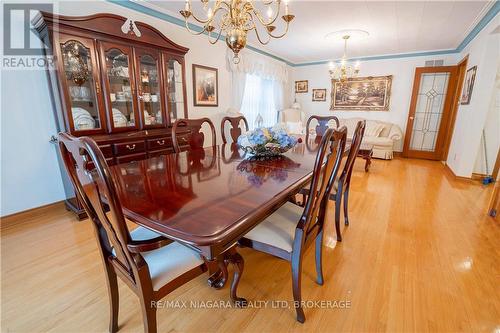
(343, 70)
(236, 18)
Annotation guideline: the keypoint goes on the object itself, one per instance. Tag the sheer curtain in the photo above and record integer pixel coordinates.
(258, 84)
(261, 97)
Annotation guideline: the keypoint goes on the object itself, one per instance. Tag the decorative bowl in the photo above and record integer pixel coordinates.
(267, 141)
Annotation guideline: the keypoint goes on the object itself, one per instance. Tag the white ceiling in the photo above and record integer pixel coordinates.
(394, 26)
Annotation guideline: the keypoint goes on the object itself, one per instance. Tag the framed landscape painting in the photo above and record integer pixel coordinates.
(205, 86)
(362, 94)
(319, 95)
(470, 77)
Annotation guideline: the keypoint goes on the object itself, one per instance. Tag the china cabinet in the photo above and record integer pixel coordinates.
(118, 81)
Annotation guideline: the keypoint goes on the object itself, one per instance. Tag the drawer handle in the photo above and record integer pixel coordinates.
(130, 147)
(161, 143)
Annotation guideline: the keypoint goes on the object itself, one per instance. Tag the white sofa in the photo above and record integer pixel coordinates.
(385, 137)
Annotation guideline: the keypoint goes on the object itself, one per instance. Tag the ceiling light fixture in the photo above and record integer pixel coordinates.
(236, 18)
(343, 69)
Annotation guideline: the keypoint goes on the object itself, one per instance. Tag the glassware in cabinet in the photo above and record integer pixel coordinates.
(82, 85)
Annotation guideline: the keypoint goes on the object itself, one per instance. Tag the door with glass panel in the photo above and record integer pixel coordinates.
(150, 100)
(118, 76)
(430, 110)
(80, 81)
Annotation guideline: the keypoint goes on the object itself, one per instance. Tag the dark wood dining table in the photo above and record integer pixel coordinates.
(207, 199)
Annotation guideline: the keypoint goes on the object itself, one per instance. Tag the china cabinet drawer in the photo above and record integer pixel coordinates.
(159, 143)
(110, 161)
(161, 152)
(107, 151)
(130, 158)
(132, 147)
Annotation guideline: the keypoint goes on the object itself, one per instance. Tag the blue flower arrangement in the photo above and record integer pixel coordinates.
(267, 141)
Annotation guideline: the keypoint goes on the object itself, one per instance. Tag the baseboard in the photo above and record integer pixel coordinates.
(11, 219)
(478, 176)
(398, 154)
(453, 175)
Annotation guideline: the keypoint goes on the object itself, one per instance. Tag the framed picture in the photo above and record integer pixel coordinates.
(319, 95)
(301, 86)
(470, 77)
(205, 86)
(362, 94)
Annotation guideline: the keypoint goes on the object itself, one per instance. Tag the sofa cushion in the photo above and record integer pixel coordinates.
(373, 129)
(378, 141)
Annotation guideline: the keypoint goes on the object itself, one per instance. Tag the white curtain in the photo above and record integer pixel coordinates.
(260, 99)
(258, 86)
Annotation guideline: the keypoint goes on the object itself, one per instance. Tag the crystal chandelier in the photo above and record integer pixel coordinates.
(343, 70)
(236, 18)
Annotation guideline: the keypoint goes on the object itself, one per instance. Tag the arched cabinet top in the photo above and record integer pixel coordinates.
(106, 24)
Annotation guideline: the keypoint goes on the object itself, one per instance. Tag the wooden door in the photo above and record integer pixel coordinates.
(119, 79)
(430, 110)
(80, 84)
(149, 87)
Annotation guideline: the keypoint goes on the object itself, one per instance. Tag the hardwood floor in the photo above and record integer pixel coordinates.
(421, 254)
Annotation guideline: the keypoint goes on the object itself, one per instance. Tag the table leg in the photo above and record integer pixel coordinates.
(218, 279)
(368, 162)
(238, 263)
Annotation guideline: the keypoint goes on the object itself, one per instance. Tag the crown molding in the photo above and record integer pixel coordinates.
(150, 10)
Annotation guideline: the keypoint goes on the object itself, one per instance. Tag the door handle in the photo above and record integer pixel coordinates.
(411, 118)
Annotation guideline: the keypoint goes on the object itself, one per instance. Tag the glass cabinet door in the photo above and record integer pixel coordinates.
(85, 111)
(120, 86)
(175, 88)
(148, 88)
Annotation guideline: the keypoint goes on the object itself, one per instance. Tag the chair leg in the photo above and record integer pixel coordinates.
(338, 199)
(319, 256)
(346, 204)
(296, 284)
(148, 316)
(114, 302)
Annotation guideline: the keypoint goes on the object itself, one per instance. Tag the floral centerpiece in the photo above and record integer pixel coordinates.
(267, 141)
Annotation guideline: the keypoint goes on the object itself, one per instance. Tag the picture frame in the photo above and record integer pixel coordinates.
(470, 78)
(319, 95)
(301, 86)
(205, 86)
(371, 93)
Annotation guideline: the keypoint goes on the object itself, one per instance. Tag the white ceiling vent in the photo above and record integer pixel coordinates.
(434, 63)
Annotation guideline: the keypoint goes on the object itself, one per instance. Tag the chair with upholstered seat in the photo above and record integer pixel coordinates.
(195, 138)
(290, 230)
(151, 265)
(322, 126)
(343, 185)
(235, 129)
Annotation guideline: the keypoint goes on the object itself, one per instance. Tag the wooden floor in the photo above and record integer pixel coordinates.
(420, 255)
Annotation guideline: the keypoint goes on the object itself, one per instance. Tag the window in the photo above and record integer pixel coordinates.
(261, 96)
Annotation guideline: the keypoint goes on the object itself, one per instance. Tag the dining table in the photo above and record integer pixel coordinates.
(209, 198)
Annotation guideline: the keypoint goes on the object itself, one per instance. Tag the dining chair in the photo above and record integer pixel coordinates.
(288, 232)
(322, 126)
(235, 129)
(151, 265)
(195, 138)
(343, 185)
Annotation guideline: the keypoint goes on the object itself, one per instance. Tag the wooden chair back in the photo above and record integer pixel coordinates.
(93, 184)
(326, 167)
(359, 132)
(322, 126)
(235, 130)
(196, 136)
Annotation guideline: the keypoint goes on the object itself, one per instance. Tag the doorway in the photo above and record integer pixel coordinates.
(431, 108)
